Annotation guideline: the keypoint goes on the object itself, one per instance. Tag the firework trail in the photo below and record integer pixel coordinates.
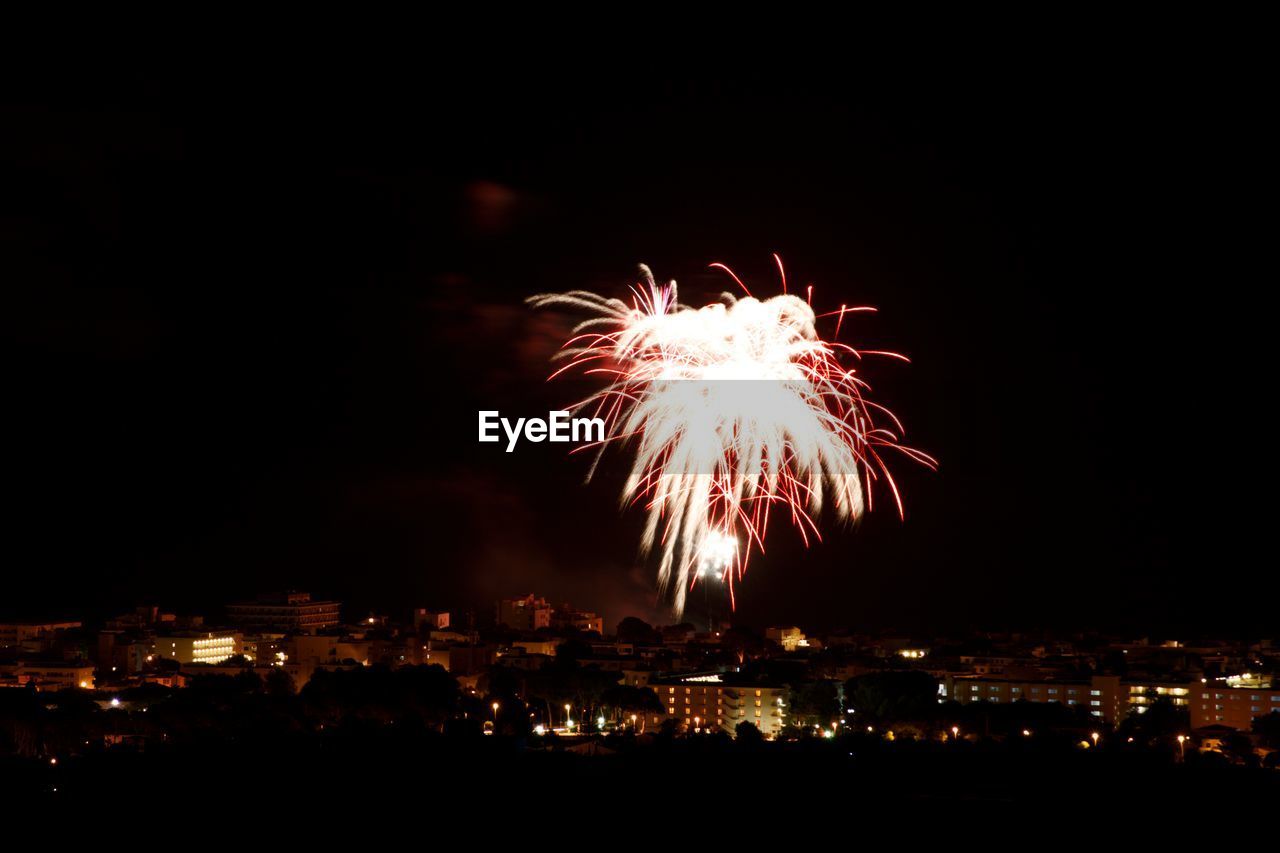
(732, 411)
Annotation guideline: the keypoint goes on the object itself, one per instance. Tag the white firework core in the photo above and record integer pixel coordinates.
(729, 410)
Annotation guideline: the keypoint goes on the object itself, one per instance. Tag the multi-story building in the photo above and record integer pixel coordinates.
(789, 637)
(524, 614)
(435, 620)
(292, 611)
(764, 705)
(271, 649)
(1143, 694)
(31, 637)
(61, 675)
(460, 660)
(1103, 695)
(719, 702)
(198, 646)
(1214, 705)
(569, 618)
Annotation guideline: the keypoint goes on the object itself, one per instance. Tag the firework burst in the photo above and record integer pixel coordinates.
(732, 412)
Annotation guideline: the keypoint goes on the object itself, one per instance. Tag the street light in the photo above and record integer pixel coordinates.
(1182, 746)
(955, 732)
(1095, 737)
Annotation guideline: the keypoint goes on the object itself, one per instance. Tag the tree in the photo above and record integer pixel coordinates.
(1161, 721)
(1267, 728)
(884, 697)
(278, 683)
(634, 700)
(633, 630)
(748, 733)
(814, 703)
(570, 652)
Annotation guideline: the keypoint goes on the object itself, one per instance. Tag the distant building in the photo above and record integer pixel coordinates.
(1229, 706)
(1102, 695)
(719, 702)
(1143, 694)
(460, 660)
(198, 646)
(265, 649)
(145, 616)
(433, 619)
(568, 618)
(124, 651)
(292, 611)
(790, 638)
(51, 676)
(524, 614)
(31, 637)
(537, 647)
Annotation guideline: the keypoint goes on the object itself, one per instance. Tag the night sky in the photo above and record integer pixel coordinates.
(249, 317)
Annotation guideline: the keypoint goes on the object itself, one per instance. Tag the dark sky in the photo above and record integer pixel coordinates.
(249, 316)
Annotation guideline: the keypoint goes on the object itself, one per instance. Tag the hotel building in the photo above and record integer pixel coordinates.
(198, 647)
(51, 676)
(1215, 705)
(293, 611)
(719, 702)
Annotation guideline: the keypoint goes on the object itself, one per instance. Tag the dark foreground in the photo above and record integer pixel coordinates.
(656, 777)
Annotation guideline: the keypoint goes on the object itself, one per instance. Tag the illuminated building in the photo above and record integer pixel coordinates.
(459, 660)
(524, 614)
(434, 620)
(719, 702)
(1143, 694)
(265, 649)
(1102, 695)
(764, 705)
(198, 647)
(790, 638)
(51, 676)
(293, 611)
(566, 617)
(1214, 705)
(537, 647)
